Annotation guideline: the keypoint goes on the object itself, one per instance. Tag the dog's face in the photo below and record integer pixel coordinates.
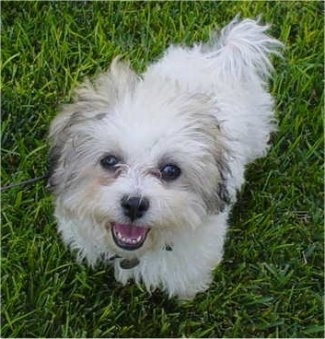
(141, 158)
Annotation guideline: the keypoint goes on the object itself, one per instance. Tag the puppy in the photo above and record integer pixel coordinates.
(145, 168)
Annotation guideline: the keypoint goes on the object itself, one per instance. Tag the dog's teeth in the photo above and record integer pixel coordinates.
(128, 240)
(120, 237)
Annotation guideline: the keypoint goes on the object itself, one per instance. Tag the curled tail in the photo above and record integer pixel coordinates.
(243, 47)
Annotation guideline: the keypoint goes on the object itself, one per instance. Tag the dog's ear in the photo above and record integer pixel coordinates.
(212, 174)
(212, 171)
(218, 197)
(91, 100)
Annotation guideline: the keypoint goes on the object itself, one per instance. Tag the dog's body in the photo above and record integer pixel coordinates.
(145, 170)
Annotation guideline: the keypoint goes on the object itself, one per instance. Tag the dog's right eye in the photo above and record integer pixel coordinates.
(170, 172)
(109, 162)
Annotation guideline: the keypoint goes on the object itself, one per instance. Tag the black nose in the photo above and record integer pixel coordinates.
(134, 207)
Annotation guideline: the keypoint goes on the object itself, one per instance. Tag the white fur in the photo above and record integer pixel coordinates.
(208, 108)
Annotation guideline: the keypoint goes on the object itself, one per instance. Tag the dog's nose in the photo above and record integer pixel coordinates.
(134, 207)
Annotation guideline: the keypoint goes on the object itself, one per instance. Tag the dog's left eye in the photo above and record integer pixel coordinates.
(170, 172)
(109, 162)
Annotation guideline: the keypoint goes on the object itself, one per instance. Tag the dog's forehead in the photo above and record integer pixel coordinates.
(139, 133)
(157, 120)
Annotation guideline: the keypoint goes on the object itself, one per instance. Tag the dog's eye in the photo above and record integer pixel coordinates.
(109, 162)
(170, 172)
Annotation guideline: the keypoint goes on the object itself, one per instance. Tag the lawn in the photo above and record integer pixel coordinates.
(270, 283)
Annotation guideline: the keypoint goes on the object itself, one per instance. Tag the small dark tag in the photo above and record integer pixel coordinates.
(127, 264)
(168, 248)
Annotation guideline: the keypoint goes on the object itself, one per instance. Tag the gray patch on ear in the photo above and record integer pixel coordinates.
(52, 163)
(100, 116)
(223, 195)
(79, 117)
(222, 191)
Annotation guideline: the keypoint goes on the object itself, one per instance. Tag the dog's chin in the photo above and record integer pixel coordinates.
(129, 237)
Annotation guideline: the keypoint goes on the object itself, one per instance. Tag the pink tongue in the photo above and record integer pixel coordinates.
(130, 231)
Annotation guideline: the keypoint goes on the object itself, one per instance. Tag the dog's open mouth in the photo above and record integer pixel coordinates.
(129, 237)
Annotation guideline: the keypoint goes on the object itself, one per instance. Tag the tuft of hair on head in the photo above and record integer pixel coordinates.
(243, 47)
(97, 96)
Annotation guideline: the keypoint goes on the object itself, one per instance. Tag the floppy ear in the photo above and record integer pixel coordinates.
(95, 98)
(218, 196)
(212, 171)
(91, 100)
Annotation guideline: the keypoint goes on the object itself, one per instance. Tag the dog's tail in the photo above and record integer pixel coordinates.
(243, 47)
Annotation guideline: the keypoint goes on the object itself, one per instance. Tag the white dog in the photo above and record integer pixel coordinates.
(144, 169)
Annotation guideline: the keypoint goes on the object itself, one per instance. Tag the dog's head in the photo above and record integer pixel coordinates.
(141, 157)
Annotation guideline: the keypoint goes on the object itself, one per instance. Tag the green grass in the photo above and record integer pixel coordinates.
(270, 283)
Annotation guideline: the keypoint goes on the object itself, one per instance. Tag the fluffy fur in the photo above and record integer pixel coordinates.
(205, 109)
